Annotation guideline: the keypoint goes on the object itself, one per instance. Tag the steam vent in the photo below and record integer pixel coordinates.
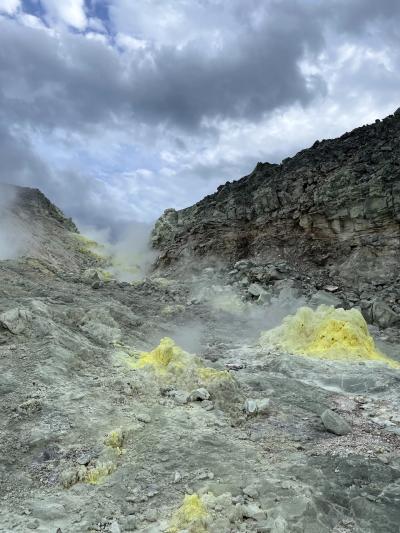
(240, 375)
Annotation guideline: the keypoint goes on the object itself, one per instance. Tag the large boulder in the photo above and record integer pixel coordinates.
(325, 298)
(15, 320)
(383, 315)
(335, 423)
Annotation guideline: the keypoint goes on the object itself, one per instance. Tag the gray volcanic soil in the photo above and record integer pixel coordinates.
(66, 340)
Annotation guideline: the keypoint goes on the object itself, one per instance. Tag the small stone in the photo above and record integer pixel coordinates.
(263, 405)
(250, 491)
(84, 459)
(331, 288)
(255, 289)
(177, 477)
(151, 515)
(15, 320)
(264, 298)
(207, 405)
(33, 525)
(335, 423)
(199, 395)
(260, 406)
(254, 511)
(130, 523)
(143, 417)
(114, 528)
(234, 366)
(250, 407)
(243, 264)
(325, 298)
(180, 397)
(152, 491)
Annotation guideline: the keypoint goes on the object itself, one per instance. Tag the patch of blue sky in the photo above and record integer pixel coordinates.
(33, 7)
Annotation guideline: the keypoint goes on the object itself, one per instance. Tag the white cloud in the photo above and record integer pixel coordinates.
(95, 36)
(130, 43)
(97, 25)
(32, 22)
(66, 12)
(10, 7)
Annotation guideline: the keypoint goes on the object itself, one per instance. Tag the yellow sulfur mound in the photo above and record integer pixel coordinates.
(326, 333)
(192, 516)
(171, 365)
(166, 357)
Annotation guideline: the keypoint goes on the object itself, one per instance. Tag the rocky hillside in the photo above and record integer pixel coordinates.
(35, 229)
(331, 212)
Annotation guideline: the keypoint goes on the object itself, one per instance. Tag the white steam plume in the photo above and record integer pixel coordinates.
(130, 252)
(13, 239)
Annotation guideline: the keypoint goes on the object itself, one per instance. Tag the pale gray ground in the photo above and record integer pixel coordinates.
(63, 390)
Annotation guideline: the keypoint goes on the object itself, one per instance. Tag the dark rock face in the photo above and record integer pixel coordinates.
(332, 210)
(336, 204)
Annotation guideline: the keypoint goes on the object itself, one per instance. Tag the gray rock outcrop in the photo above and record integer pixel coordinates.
(332, 211)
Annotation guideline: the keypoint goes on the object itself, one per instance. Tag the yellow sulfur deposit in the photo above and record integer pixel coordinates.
(166, 357)
(90, 248)
(209, 375)
(96, 475)
(192, 516)
(326, 333)
(115, 440)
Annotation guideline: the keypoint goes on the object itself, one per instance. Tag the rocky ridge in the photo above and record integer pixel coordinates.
(329, 216)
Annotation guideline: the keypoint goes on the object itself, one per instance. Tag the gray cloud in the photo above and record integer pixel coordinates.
(356, 16)
(19, 163)
(188, 77)
(69, 81)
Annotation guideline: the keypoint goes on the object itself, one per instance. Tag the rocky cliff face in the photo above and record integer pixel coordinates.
(331, 211)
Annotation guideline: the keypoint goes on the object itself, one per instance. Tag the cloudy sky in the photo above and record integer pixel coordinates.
(118, 109)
